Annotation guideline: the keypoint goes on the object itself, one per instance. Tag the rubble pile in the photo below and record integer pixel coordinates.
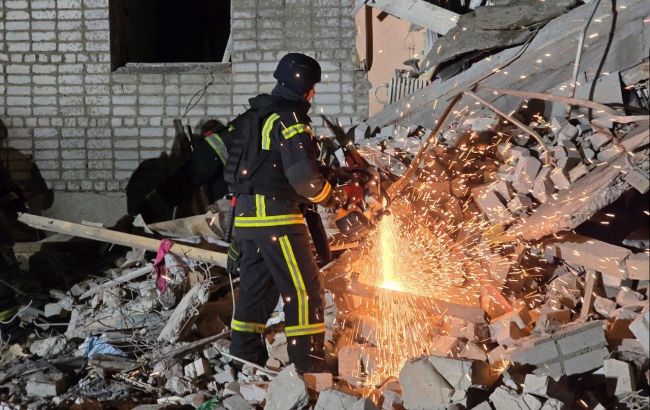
(512, 272)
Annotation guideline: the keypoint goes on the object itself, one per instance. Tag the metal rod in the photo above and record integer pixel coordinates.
(522, 126)
(397, 187)
(576, 63)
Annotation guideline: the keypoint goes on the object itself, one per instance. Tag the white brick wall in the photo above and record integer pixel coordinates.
(88, 128)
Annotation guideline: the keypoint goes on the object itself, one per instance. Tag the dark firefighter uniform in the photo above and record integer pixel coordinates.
(281, 177)
(11, 202)
(204, 167)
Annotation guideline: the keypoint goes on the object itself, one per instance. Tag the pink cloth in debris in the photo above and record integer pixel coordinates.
(159, 268)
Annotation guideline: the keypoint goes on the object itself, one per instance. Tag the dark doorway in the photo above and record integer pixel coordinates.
(168, 31)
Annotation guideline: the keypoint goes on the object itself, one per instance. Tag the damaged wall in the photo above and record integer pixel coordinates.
(392, 43)
(88, 128)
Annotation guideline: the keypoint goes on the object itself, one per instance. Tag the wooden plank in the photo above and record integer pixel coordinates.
(121, 238)
(419, 12)
(592, 279)
(117, 281)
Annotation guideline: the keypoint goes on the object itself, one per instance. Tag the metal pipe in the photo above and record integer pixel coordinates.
(576, 63)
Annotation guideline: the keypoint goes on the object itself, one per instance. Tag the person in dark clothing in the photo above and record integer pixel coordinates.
(274, 172)
(12, 202)
(204, 167)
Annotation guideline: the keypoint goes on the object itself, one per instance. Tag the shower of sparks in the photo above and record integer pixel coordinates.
(419, 259)
(434, 246)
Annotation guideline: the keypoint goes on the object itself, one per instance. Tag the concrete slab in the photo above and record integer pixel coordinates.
(574, 349)
(593, 254)
(423, 387)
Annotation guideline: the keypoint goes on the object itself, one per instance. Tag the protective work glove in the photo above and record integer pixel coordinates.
(234, 256)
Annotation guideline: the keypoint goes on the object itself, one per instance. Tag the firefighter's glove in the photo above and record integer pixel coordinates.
(234, 256)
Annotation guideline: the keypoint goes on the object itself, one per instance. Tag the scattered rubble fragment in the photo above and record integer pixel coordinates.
(530, 219)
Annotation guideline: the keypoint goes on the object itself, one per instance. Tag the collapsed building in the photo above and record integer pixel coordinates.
(510, 268)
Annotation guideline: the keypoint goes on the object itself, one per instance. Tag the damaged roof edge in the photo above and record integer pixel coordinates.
(422, 107)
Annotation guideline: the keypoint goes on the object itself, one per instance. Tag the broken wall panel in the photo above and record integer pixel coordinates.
(551, 51)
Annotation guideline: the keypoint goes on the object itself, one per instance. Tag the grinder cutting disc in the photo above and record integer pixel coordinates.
(353, 224)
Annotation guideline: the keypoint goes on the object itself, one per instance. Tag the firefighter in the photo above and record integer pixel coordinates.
(204, 167)
(274, 173)
(12, 202)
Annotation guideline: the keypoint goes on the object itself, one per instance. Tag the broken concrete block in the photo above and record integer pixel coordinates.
(198, 368)
(558, 152)
(640, 327)
(287, 391)
(364, 404)
(184, 312)
(423, 387)
(253, 392)
(504, 189)
(52, 346)
(553, 404)
(532, 402)
(444, 346)
(179, 386)
(236, 402)
(544, 386)
(350, 362)
(560, 179)
(605, 307)
(487, 120)
(525, 173)
(567, 132)
(505, 398)
(335, 400)
(484, 405)
(543, 187)
(392, 400)
(557, 123)
(588, 153)
(578, 172)
(609, 153)
(490, 204)
(638, 266)
(593, 254)
(612, 284)
(53, 309)
(277, 347)
(599, 139)
(520, 204)
(628, 297)
(619, 377)
(318, 381)
(459, 187)
(497, 355)
(460, 328)
(472, 351)
(506, 334)
(224, 377)
(576, 348)
(638, 179)
(459, 374)
(46, 385)
(520, 317)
